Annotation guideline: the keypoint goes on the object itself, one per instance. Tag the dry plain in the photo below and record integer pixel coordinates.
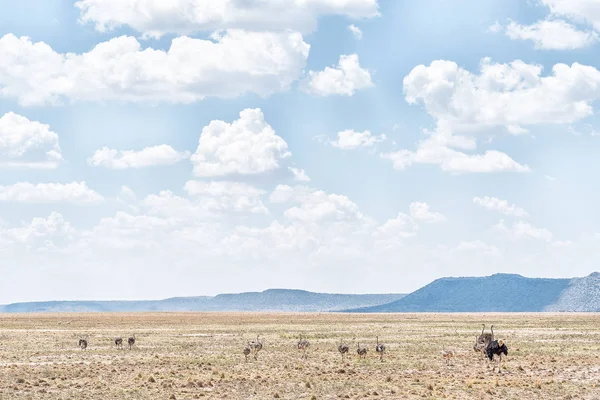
(199, 356)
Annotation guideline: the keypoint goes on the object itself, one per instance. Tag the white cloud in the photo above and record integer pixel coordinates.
(39, 235)
(521, 230)
(230, 65)
(318, 206)
(206, 201)
(225, 195)
(248, 145)
(495, 27)
(355, 31)
(213, 232)
(351, 139)
(344, 79)
(502, 94)
(154, 19)
(552, 35)
(437, 150)
(420, 212)
(27, 144)
(477, 246)
(402, 226)
(25, 192)
(299, 174)
(495, 204)
(516, 130)
(513, 95)
(580, 11)
(147, 157)
(126, 193)
(285, 193)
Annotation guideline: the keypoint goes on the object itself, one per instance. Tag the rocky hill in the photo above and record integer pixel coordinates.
(582, 295)
(495, 293)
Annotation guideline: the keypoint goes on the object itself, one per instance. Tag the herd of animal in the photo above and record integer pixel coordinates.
(84, 341)
(486, 344)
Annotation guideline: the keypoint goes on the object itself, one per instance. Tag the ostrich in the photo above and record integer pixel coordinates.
(343, 349)
(256, 347)
(496, 348)
(246, 352)
(362, 351)
(380, 349)
(303, 345)
(83, 343)
(483, 340)
(119, 343)
(131, 341)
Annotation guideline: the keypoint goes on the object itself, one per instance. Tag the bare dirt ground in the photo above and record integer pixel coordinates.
(199, 356)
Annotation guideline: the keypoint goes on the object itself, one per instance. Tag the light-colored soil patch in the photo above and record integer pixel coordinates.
(199, 356)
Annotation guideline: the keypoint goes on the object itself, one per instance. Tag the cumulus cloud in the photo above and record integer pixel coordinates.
(552, 35)
(147, 157)
(521, 230)
(299, 174)
(231, 64)
(477, 246)
(248, 145)
(218, 226)
(509, 96)
(503, 206)
(155, 19)
(514, 94)
(581, 11)
(27, 144)
(74, 193)
(345, 79)
(39, 235)
(420, 212)
(355, 31)
(351, 139)
(437, 150)
(223, 195)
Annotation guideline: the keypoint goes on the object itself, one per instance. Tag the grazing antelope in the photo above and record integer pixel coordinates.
(362, 351)
(256, 347)
(447, 355)
(131, 341)
(343, 349)
(246, 352)
(380, 349)
(119, 343)
(303, 345)
(83, 343)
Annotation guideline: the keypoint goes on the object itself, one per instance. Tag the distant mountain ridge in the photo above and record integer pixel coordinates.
(499, 293)
(275, 300)
(495, 293)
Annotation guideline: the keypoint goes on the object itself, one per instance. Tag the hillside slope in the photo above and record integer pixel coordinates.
(495, 293)
(582, 295)
(283, 300)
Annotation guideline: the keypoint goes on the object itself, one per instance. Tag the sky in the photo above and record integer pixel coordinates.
(151, 149)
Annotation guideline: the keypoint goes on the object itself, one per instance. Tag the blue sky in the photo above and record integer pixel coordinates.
(438, 136)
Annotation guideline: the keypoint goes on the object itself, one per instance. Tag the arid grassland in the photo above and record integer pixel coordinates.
(199, 356)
